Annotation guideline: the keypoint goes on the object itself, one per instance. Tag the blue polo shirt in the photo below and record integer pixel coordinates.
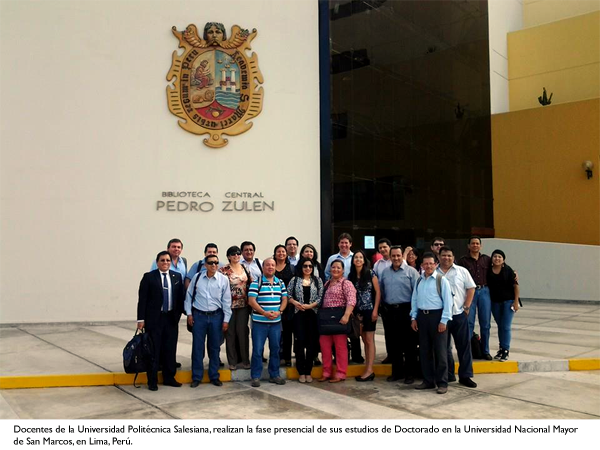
(269, 298)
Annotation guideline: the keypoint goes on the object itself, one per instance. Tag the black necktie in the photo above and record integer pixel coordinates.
(165, 293)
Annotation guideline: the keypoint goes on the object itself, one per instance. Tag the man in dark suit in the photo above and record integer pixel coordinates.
(160, 304)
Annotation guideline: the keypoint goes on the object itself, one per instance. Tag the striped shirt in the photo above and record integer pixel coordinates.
(269, 298)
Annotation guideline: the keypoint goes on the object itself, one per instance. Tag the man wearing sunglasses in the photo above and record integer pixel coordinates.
(436, 244)
(198, 266)
(208, 308)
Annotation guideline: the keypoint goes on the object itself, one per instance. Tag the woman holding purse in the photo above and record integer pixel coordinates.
(340, 295)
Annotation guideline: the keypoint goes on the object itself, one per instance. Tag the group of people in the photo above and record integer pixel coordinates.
(423, 302)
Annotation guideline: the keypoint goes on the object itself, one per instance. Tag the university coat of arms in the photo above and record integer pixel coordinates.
(215, 83)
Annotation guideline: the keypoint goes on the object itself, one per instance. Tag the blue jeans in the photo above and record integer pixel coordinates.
(211, 326)
(260, 333)
(482, 305)
(503, 316)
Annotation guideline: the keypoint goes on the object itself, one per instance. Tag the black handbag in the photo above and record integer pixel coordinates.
(354, 326)
(328, 321)
(138, 354)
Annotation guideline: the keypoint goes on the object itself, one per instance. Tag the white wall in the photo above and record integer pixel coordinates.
(552, 271)
(504, 16)
(88, 145)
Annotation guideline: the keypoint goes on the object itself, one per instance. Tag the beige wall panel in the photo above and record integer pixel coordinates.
(552, 271)
(537, 12)
(568, 85)
(88, 145)
(541, 192)
(556, 46)
(504, 16)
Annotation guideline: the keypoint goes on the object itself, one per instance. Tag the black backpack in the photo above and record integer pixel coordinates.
(138, 355)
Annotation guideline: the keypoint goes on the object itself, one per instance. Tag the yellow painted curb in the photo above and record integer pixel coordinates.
(42, 381)
(496, 367)
(94, 379)
(584, 364)
(111, 379)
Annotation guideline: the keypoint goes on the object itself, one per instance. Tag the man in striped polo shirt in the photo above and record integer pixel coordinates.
(267, 297)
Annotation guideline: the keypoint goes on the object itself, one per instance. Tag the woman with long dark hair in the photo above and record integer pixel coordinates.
(367, 307)
(504, 293)
(309, 252)
(284, 271)
(305, 294)
(411, 256)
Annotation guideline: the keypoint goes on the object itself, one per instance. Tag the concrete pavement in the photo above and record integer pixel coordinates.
(550, 341)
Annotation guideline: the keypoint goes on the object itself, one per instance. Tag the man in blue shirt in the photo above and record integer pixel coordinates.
(431, 309)
(345, 254)
(208, 308)
(291, 247)
(397, 283)
(209, 249)
(178, 262)
(268, 298)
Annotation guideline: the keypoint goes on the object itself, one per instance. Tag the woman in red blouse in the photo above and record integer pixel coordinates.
(338, 292)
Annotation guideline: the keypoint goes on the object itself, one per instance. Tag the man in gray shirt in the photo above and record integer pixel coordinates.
(397, 283)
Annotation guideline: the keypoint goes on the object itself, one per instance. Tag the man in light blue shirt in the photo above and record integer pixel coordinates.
(345, 255)
(291, 247)
(209, 249)
(208, 308)
(178, 262)
(431, 309)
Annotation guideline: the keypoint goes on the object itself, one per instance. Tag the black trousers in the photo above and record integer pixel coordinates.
(458, 328)
(433, 347)
(287, 339)
(237, 337)
(402, 342)
(164, 338)
(306, 340)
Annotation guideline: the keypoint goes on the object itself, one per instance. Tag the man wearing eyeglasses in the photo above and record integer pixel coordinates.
(252, 264)
(208, 308)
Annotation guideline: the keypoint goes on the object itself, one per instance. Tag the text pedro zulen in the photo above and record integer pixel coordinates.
(202, 202)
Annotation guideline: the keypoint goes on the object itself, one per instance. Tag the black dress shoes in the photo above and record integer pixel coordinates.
(216, 382)
(409, 380)
(424, 385)
(467, 382)
(393, 378)
(153, 388)
(172, 383)
(369, 378)
(195, 384)
(487, 357)
(451, 379)
(178, 365)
